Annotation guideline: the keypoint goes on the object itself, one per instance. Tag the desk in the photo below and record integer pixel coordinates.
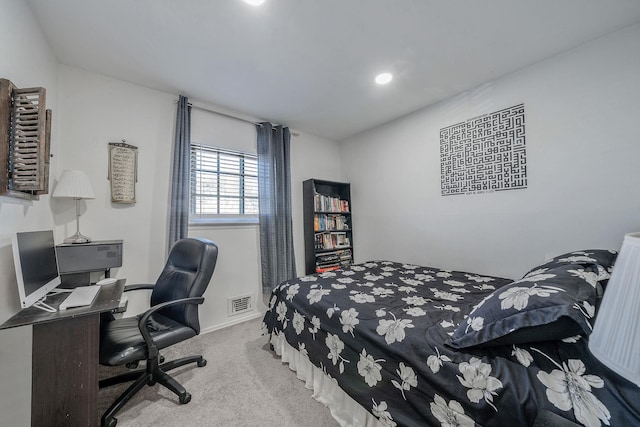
(65, 346)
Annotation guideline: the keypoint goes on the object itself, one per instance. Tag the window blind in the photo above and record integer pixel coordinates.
(224, 183)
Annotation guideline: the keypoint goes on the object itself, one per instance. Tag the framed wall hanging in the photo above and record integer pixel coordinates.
(123, 172)
(484, 154)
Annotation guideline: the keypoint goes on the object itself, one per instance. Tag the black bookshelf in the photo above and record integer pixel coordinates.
(328, 232)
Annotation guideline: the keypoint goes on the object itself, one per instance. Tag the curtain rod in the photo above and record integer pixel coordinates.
(229, 116)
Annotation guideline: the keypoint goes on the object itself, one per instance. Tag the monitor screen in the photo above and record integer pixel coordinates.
(34, 255)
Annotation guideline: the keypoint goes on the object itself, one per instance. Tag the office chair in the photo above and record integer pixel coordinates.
(172, 318)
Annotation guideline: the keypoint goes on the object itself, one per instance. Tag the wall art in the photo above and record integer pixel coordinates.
(25, 141)
(484, 154)
(123, 172)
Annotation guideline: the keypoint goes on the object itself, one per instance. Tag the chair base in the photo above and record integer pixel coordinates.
(153, 373)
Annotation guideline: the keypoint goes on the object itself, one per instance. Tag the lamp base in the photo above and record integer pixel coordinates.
(77, 238)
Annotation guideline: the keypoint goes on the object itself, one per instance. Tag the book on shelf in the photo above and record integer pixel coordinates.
(324, 203)
(320, 268)
(328, 222)
(334, 259)
(325, 269)
(332, 240)
(328, 259)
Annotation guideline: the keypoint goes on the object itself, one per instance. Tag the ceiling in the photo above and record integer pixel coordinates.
(311, 64)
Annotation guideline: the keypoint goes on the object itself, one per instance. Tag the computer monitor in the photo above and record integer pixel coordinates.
(34, 256)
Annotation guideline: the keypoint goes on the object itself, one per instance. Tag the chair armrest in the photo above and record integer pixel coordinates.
(137, 287)
(152, 349)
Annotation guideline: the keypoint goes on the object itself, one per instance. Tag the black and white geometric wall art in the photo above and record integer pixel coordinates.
(484, 154)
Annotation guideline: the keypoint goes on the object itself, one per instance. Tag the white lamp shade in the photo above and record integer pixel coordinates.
(615, 339)
(74, 184)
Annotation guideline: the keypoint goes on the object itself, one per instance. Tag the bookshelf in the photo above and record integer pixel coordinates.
(328, 234)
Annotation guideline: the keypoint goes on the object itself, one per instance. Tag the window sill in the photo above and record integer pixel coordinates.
(222, 222)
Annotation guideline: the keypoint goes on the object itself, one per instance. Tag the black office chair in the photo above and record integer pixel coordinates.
(172, 318)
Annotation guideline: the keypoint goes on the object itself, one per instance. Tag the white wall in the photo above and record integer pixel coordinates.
(581, 112)
(89, 111)
(238, 271)
(311, 157)
(96, 110)
(26, 60)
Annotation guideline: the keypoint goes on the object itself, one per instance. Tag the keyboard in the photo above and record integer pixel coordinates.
(80, 297)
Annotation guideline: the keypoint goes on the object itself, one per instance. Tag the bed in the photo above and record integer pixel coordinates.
(390, 344)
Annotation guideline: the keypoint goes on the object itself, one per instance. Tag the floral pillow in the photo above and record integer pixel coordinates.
(550, 305)
(602, 258)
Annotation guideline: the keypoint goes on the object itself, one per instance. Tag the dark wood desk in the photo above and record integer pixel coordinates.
(64, 389)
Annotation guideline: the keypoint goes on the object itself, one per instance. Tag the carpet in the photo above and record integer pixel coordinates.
(243, 384)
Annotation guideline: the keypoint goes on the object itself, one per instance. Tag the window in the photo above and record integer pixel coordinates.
(224, 185)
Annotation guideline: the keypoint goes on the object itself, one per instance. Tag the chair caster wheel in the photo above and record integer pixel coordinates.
(110, 423)
(132, 365)
(202, 363)
(161, 359)
(151, 383)
(185, 399)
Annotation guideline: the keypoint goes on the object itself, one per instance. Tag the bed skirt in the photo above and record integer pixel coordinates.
(343, 408)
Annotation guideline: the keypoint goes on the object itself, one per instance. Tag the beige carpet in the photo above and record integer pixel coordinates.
(244, 384)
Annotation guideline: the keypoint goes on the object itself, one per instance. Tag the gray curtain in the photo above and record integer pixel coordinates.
(274, 192)
(179, 203)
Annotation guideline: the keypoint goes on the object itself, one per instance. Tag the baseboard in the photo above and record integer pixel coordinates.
(235, 321)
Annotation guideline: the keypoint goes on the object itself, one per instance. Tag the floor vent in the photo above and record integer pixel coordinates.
(238, 305)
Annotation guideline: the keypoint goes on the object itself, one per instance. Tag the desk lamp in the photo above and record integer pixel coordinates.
(75, 185)
(615, 339)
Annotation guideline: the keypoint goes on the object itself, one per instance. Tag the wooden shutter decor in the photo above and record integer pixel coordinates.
(25, 135)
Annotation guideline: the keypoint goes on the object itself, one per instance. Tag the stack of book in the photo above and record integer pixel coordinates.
(329, 261)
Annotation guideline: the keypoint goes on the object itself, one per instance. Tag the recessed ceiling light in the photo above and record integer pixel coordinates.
(254, 2)
(384, 78)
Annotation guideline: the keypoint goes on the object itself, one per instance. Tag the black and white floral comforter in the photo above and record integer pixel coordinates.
(379, 329)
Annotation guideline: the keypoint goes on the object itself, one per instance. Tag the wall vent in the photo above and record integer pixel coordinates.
(241, 304)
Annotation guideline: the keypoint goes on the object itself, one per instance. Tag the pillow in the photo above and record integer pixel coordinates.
(551, 305)
(602, 258)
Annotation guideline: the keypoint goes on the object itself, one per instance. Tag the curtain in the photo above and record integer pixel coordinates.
(179, 199)
(274, 194)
